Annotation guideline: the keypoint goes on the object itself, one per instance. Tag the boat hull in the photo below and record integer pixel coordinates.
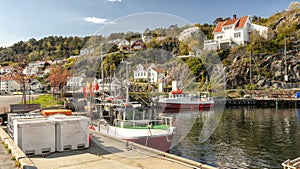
(160, 140)
(193, 106)
(162, 143)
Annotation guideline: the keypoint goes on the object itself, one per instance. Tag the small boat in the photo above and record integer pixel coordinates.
(179, 100)
(133, 125)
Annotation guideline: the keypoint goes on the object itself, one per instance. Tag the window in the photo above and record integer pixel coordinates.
(227, 28)
(237, 34)
(220, 37)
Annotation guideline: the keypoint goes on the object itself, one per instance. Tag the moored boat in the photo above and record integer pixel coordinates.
(179, 100)
(133, 125)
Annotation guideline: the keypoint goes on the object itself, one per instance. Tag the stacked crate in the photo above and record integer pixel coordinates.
(37, 135)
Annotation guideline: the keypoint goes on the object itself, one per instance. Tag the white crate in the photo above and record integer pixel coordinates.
(35, 136)
(13, 116)
(71, 132)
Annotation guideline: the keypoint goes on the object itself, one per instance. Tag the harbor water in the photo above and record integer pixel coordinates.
(242, 137)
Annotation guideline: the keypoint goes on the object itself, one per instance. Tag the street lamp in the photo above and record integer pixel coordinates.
(0, 84)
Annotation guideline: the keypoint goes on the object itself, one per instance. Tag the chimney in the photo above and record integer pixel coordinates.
(234, 16)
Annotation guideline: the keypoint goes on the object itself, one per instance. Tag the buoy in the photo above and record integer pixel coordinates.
(92, 127)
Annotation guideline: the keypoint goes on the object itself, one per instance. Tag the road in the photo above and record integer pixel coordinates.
(6, 100)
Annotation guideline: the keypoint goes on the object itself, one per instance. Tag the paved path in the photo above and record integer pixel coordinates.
(5, 158)
(6, 100)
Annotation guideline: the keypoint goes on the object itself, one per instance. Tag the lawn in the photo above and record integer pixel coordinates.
(47, 100)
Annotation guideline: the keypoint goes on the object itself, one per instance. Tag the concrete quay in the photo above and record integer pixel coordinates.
(104, 152)
(16, 151)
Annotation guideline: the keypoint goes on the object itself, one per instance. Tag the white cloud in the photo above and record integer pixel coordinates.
(97, 20)
(114, 0)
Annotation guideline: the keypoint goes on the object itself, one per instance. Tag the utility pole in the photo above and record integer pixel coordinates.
(285, 60)
(250, 68)
(102, 74)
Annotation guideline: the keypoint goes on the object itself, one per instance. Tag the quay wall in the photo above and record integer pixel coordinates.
(261, 102)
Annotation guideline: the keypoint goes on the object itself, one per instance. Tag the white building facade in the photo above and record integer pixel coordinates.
(6, 69)
(148, 72)
(233, 32)
(9, 85)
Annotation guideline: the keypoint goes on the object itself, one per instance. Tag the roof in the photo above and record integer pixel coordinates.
(239, 23)
(146, 66)
(6, 77)
(7, 67)
(158, 70)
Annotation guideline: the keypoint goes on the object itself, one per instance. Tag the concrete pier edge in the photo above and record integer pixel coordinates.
(26, 163)
(162, 154)
(16, 151)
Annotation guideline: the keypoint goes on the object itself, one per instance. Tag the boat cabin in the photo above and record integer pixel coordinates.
(129, 117)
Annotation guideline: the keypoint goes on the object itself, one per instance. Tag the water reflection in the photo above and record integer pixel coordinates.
(243, 138)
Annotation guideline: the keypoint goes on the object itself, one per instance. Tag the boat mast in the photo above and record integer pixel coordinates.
(126, 86)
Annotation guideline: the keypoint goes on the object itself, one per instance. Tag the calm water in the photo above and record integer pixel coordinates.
(238, 137)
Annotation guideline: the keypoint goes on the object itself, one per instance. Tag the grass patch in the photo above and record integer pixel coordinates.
(47, 100)
(18, 163)
(13, 158)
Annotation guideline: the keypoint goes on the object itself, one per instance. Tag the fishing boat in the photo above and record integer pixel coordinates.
(130, 124)
(179, 100)
(122, 120)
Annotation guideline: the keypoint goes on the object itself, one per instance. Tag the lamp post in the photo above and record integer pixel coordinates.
(0, 84)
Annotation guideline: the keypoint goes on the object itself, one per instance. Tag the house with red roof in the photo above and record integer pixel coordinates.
(148, 72)
(6, 69)
(233, 32)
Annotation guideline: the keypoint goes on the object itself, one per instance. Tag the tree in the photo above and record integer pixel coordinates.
(18, 75)
(220, 19)
(58, 77)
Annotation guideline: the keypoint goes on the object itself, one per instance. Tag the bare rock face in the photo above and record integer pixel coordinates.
(266, 71)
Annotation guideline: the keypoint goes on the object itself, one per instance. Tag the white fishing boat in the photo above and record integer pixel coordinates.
(124, 121)
(136, 126)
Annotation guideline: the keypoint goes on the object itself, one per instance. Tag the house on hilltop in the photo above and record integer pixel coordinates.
(233, 32)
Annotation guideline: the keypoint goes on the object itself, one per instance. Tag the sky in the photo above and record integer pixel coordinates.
(25, 19)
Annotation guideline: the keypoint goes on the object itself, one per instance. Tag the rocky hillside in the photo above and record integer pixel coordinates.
(268, 62)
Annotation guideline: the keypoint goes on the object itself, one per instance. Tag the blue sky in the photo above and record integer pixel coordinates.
(25, 19)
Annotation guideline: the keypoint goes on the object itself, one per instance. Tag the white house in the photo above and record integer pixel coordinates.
(233, 32)
(36, 85)
(6, 69)
(156, 74)
(124, 44)
(31, 70)
(148, 72)
(75, 83)
(9, 85)
(37, 64)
